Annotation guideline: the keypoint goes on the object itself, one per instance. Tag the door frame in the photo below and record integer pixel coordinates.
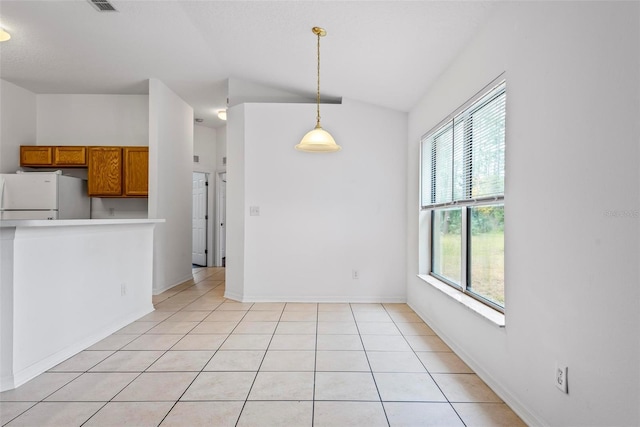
(206, 216)
(220, 208)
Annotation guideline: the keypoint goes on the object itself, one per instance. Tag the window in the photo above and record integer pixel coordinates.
(462, 188)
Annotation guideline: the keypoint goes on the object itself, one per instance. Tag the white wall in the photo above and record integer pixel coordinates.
(116, 208)
(571, 268)
(234, 273)
(93, 119)
(90, 280)
(221, 139)
(170, 181)
(72, 119)
(321, 215)
(17, 124)
(205, 146)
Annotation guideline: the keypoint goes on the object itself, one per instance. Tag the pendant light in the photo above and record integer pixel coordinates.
(318, 140)
(4, 35)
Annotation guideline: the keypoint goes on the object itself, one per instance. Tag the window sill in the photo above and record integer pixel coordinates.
(485, 311)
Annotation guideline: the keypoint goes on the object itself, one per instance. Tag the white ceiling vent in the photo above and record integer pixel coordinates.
(103, 5)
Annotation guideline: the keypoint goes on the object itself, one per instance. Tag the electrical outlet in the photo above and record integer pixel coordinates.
(561, 378)
(112, 211)
(254, 210)
(355, 275)
(123, 289)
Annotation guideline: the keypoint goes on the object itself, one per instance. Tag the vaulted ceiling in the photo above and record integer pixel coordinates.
(382, 52)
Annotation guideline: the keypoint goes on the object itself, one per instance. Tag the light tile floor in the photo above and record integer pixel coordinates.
(201, 359)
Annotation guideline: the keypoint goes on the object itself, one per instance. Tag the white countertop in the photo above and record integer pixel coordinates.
(75, 222)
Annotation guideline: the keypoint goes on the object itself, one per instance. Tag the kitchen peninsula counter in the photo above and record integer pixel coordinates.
(74, 222)
(67, 284)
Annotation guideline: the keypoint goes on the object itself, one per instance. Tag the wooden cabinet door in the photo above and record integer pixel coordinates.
(136, 171)
(70, 156)
(104, 176)
(36, 155)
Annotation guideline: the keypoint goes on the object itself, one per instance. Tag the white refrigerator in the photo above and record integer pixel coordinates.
(43, 195)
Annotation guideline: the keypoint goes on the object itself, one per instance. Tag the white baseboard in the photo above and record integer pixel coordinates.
(514, 403)
(233, 296)
(32, 371)
(313, 299)
(158, 291)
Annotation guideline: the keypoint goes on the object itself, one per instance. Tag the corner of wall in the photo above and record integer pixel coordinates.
(18, 126)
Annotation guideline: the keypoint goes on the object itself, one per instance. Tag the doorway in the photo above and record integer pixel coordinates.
(199, 220)
(221, 215)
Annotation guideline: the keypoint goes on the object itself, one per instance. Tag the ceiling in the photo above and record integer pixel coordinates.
(385, 53)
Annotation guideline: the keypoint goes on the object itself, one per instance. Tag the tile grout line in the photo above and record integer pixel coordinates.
(422, 363)
(259, 366)
(107, 372)
(111, 400)
(143, 371)
(158, 358)
(366, 355)
(396, 318)
(208, 361)
(113, 352)
(315, 369)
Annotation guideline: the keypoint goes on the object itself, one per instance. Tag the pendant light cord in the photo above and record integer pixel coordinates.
(318, 91)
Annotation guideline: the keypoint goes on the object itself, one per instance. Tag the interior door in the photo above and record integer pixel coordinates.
(199, 220)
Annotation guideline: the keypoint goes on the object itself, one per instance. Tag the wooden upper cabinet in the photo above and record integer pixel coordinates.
(67, 156)
(113, 171)
(104, 176)
(36, 155)
(136, 171)
(70, 156)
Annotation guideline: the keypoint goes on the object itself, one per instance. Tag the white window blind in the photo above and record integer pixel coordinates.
(463, 159)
